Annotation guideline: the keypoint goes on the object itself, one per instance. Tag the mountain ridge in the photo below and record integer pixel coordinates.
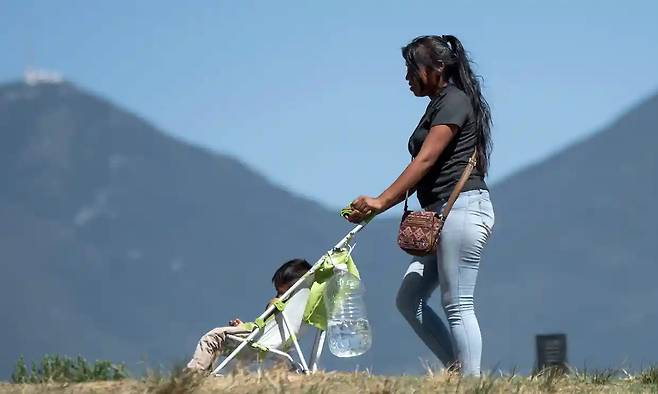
(112, 231)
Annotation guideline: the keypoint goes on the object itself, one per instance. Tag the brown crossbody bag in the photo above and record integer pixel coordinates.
(419, 230)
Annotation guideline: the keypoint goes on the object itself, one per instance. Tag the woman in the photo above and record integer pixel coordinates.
(456, 122)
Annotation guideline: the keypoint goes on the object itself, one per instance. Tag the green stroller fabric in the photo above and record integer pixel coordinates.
(315, 313)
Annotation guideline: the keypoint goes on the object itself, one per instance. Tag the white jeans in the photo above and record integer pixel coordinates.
(454, 269)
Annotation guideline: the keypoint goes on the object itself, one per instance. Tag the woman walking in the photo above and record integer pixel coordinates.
(456, 122)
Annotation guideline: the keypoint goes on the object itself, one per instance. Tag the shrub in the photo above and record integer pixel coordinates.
(55, 368)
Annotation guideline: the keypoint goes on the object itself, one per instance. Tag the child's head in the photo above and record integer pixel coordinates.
(288, 274)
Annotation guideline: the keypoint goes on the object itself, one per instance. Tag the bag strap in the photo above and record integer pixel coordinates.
(406, 198)
(472, 162)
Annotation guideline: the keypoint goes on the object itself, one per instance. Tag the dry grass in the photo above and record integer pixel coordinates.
(279, 381)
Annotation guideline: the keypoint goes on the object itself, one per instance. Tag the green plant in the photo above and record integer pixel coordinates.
(55, 368)
(20, 374)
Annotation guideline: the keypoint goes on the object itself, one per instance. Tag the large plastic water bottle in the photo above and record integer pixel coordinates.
(348, 329)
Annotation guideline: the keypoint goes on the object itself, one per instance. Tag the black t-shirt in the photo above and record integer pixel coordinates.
(450, 107)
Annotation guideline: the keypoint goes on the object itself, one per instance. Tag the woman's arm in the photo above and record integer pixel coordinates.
(402, 196)
(436, 141)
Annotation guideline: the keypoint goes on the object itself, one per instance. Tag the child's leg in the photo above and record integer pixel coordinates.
(211, 346)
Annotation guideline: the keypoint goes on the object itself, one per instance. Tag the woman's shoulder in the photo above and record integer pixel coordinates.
(455, 95)
(452, 100)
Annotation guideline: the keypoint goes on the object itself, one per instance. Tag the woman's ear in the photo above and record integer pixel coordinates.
(440, 67)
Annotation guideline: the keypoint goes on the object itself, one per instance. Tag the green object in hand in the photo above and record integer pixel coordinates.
(348, 210)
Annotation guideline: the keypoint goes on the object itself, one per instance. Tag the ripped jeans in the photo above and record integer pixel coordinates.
(454, 270)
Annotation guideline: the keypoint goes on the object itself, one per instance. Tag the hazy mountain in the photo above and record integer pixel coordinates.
(118, 241)
(575, 249)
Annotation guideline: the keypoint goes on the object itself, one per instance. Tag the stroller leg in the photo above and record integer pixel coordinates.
(294, 340)
(318, 344)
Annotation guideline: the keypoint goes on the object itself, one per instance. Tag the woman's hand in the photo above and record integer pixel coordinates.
(365, 206)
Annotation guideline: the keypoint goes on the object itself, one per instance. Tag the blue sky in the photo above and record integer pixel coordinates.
(313, 93)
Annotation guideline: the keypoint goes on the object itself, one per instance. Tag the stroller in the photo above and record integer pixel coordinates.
(301, 307)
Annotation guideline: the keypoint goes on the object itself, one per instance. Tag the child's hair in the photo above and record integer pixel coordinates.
(290, 272)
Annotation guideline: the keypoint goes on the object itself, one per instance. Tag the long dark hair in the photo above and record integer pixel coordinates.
(430, 53)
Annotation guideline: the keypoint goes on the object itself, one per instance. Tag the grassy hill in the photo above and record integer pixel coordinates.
(275, 381)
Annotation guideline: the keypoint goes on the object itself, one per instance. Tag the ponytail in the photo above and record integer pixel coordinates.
(462, 75)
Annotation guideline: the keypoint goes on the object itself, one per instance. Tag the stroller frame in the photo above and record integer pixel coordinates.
(318, 343)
